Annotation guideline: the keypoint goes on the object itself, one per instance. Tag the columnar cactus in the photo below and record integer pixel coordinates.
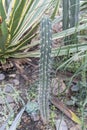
(70, 19)
(45, 68)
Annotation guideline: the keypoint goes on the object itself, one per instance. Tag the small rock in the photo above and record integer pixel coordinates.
(12, 105)
(75, 88)
(16, 82)
(8, 98)
(58, 86)
(35, 116)
(12, 75)
(2, 76)
(8, 88)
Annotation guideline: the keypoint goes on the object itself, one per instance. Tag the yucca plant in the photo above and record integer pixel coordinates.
(45, 68)
(56, 51)
(18, 23)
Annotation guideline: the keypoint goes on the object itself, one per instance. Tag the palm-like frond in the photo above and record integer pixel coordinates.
(19, 24)
(63, 50)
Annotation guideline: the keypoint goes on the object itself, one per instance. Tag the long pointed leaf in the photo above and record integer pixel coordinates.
(17, 15)
(5, 124)
(2, 11)
(3, 35)
(60, 51)
(33, 17)
(17, 120)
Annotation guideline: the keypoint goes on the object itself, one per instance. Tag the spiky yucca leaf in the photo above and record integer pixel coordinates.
(5, 123)
(57, 3)
(63, 50)
(19, 24)
(84, 5)
(45, 63)
(16, 121)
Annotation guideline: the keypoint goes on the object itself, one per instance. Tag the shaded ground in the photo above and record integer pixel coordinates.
(28, 124)
(27, 92)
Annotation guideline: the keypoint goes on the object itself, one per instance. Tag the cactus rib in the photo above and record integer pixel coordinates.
(45, 63)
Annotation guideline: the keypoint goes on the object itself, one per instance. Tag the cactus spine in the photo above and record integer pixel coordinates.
(45, 68)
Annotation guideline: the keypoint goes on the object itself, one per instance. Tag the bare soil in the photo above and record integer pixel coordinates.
(24, 88)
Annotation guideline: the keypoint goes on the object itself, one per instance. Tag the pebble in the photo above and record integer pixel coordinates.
(8, 98)
(2, 76)
(12, 105)
(58, 86)
(35, 116)
(16, 82)
(12, 75)
(9, 88)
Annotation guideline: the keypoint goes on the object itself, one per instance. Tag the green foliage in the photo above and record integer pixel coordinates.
(45, 68)
(32, 107)
(7, 108)
(70, 18)
(79, 95)
(17, 120)
(20, 20)
(20, 28)
(52, 116)
(57, 3)
(2, 11)
(84, 5)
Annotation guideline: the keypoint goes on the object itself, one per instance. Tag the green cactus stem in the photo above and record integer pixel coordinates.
(45, 68)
